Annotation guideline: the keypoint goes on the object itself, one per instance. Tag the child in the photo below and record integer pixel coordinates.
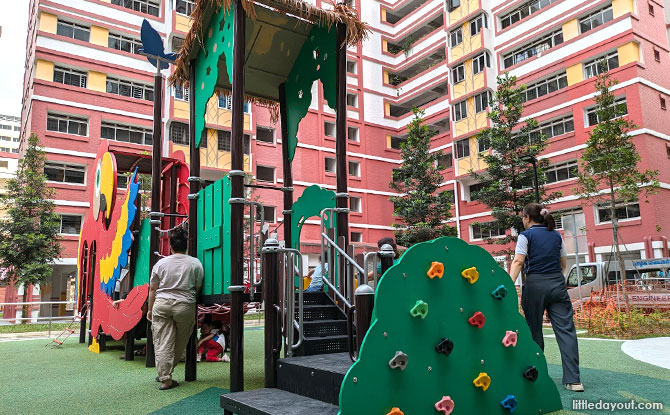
(213, 342)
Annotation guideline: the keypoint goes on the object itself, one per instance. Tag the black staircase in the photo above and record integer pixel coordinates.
(325, 326)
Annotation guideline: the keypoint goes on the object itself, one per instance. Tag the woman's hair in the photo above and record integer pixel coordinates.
(179, 239)
(538, 214)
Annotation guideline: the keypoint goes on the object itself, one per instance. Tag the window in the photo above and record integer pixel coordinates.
(561, 172)
(4, 138)
(73, 30)
(651, 8)
(456, 37)
(523, 11)
(474, 191)
(588, 273)
(351, 67)
(352, 100)
(486, 230)
(355, 204)
(17, 128)
(70, 224)
(181, 93)
(124, 43)
(142, 6)
(179, 133)
(352, 134)
(593, 118)
(4, 164)
(64, 173)
(265, 134)
(596, 19)
(329, 129)
(448, 195)
(268, 213)
(356, 237)
(623, 212)
(601, 64)
(445, 161)
(560, 215)
(483, 144)
(458, 73)
(224, 141)
(481, 101)
(177, 43)
(460, 110)
(657, 55)
(70, 77)
(546, 86)
(538, 46)
(121, 181)
(126, 133)
(354, 169)
(552, 129)
(330, 165)
(396, 142)
(226, 102)
(479, 62)
(453, 4)
(477, 24)
(184, 7)
(663, 107)
(67, 125)
(265, 174)
(462, 148)
(130, 89)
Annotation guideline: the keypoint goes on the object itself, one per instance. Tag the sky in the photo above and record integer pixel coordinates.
(14, 22)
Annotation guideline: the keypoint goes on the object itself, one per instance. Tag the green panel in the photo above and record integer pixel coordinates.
(372, 387)
(142, 269)
(218, 40)
(317, 60)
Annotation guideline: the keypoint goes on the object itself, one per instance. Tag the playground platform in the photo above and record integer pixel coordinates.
(73, 380)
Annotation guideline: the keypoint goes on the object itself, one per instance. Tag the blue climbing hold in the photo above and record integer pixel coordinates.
(509, 403)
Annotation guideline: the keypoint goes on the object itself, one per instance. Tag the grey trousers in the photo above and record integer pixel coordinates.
(548, 292)
(171, 326)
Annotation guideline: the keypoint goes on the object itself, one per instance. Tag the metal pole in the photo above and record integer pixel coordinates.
(386, 253)
(270, 254)
(579, 274)
(364, 302)
(51, 311)
(237, 209)
(342, 195)
(287, 169)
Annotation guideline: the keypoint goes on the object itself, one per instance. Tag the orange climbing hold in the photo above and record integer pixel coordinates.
(445, 405)
(482, 381)
(509, 339)
(471, 274)
(436, 270)
(395, 411)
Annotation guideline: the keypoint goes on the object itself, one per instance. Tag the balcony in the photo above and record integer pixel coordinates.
(420, 100)
(409, 40)
(415, 68)
(394, 16)
(440, 126)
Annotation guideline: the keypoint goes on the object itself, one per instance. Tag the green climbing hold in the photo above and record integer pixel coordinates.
(420, 309)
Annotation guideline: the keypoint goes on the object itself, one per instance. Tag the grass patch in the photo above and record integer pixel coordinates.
(26, 328)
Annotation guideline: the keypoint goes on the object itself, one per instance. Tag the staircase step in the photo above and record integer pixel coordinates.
(320, 312)
(313, 298)
(324, 328)
(274, 402)
(324, 345)
(317, 377)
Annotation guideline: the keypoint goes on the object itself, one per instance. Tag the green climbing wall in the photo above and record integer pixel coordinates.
(142, 270)
(218, 40)
(372, 387)
(214, 236)
(317, 60)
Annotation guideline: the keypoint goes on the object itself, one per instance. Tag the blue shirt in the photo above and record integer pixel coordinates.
(317, 276)
(543, 250)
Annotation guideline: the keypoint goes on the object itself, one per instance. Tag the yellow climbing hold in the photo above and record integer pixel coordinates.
(436, 270)
(471, 275)
(94, 347)
(482, 381)
(396, 411)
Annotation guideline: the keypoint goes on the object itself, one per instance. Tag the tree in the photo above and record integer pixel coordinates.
(422, 209)
(609, 165)
(508, 182)
(29, 240)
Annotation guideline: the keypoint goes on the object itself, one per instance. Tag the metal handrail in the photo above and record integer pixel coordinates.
(342, 252)
(289, 298)
(337, 293)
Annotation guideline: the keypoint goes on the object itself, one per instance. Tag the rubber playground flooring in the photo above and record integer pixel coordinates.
(35, 379)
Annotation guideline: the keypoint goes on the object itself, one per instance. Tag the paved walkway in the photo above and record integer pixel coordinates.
(655, 350)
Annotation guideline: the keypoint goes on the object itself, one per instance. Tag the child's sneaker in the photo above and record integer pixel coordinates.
(198, 358)
(225, 358)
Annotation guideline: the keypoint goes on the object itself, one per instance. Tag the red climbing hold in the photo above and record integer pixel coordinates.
(477, 320)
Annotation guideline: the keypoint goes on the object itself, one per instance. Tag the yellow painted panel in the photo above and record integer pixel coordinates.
(386, 76)
(215, 158)
(480, 120)
(97, 81)
(387, 109)
(630, 52)
(182, 23)
(575, 74)
(466, 7)
(621, 7)
(385, 45)
(570, 30)
(457, 52)
(388, 140)
(106, 1)
(99, 36)
(44, 70)
(460, 89)
(383, 14)
(220, 116)
(479, 80)
(48, 22)
(461, 127)
(476, 41)
(181, 109)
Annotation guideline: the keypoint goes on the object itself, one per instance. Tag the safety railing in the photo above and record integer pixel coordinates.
(50, 318)
(253, 284)
(291, 323)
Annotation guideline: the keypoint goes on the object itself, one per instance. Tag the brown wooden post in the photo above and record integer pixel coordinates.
(341, 133)
(271, 253)
(237, 209)
(287, 169)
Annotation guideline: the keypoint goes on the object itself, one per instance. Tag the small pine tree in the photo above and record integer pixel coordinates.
(609, 165)
(421, 208)
(508, 182)
(30, 240)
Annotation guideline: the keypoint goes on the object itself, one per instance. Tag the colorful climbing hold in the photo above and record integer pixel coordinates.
(445, 405)
(531, 373)
(509, 403)
(509, 339)
(94, 347)
(399, 361)
(471, 275)
(500, 292)
(395, 411)
(420, 309)
(482, 381)
(436, 270)
(445, 346)
(477, 320)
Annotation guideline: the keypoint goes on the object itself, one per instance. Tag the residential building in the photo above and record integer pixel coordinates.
(10, 126)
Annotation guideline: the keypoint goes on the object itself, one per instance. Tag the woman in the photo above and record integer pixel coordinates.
(175, 282)
(541, 251)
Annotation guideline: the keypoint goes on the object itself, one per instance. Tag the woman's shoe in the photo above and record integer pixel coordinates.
(575, 387)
